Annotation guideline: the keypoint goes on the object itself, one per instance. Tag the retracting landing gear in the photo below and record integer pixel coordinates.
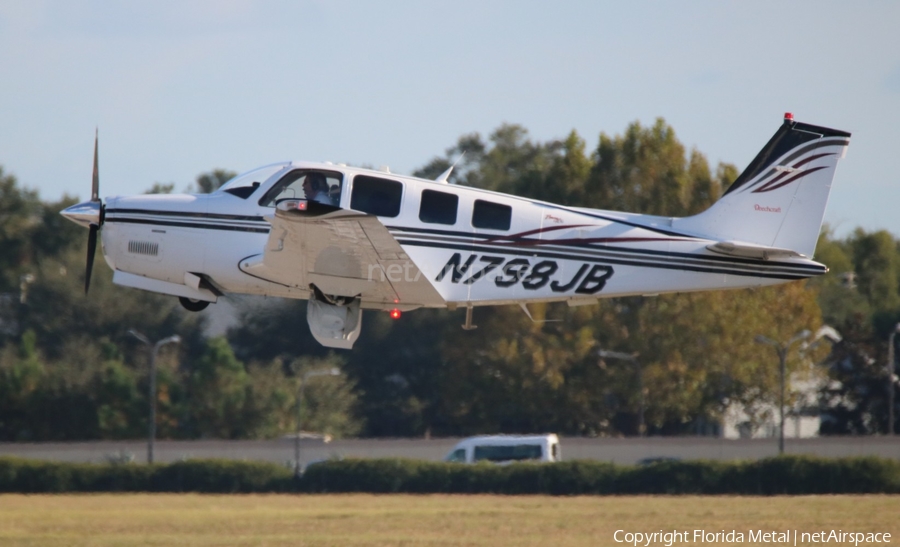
(335, 321)
(193, 305)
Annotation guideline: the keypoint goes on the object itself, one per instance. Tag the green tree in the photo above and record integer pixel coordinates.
(466, 155)
(121, 409)
(329, 402)
(209, 182)
(21, 375)
(513, 161)
(563, 178)
(20, 214)
(853, 401)
(841, 302)
(161, 188)
(696, 354)
(394, 369)
(514, 375)
(647, 171)
(218, 389)
(269, 409)
(877, 266)
(859, 296)
(641, 171)
(58, 310)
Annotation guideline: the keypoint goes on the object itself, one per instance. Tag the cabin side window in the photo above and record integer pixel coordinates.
(438, 207)
(492, 216)
(376, 196)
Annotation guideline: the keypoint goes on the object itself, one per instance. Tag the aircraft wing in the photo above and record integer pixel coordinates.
(341, 253)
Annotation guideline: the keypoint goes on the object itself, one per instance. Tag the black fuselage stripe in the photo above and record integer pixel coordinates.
(189, 214)
(592, 250)
(198, 225)
(208, 222)
(621, 262)
(679, 258)
(697, 260)
(732, 261)
(619, 221)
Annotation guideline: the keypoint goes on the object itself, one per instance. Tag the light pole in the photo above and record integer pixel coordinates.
(154, 350)
(633, 359)
(24, 281)
(333, 371)
(782, 351)
(890, 382)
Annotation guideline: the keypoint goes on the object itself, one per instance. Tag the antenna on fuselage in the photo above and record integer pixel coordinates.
(444, 177)
(533, 320)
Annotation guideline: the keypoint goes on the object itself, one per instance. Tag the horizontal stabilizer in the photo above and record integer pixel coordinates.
(749, 250)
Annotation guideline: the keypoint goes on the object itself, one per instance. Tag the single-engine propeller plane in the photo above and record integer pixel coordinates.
(349, 239)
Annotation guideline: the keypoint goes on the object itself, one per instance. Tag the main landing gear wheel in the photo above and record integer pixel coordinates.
(193, 305)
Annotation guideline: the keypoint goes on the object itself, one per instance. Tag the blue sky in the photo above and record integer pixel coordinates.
(181, 87)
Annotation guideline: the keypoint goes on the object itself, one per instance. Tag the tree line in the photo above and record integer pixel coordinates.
(69, 369)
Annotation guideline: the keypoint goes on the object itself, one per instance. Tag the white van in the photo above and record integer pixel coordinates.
(506, 448)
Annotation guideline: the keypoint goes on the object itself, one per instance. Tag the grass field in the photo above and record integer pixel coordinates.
(273, 520)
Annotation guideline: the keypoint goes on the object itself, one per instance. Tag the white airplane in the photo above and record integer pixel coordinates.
(349, 239)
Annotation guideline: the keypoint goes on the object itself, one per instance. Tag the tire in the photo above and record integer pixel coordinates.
(193, 305)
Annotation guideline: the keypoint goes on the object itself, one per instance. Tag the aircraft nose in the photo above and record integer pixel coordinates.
(85, 214)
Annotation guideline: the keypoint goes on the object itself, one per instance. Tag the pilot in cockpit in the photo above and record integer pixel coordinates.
(316, 188)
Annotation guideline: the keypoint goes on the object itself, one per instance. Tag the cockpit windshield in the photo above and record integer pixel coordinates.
(245, 184)
(310, 184)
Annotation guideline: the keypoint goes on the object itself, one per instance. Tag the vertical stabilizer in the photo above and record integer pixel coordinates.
(779, 200)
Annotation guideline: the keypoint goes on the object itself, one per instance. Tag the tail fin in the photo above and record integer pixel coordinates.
(779, 200)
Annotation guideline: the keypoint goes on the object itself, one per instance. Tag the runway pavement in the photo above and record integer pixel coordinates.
(618, 450)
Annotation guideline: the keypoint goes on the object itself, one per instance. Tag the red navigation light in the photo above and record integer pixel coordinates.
(788, 117)
(395, 313)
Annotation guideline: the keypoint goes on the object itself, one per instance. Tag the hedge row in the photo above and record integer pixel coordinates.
(782, 475)
(33, 476)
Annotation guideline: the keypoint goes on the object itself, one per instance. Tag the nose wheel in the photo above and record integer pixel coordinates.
(193, 305)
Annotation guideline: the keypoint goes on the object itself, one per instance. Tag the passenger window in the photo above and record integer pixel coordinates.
(508, 453)
(376, 196)
(321, 186)
(438, 207)
(492, 216)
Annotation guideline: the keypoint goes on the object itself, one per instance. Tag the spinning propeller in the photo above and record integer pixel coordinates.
(90, 215)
